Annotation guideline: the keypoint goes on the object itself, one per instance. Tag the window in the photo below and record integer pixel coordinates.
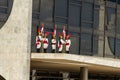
(111, 28)
(61, 8)
(46, 10)
(5, 9)
(4, 3)
(75, 47)
(96, 17)
(74, 15)
(95, 44)
(118, 32)
(117, 53)
(86, 44)
(87, 10)
(118, 20)
(61, 11)
(74, 24)
(36, 5)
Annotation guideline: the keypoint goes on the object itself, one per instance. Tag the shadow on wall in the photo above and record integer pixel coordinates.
(1, 78)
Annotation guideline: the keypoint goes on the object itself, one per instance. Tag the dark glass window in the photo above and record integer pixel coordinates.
(86, 25)
(112, 0)
(75, 47)
(90, 22)
(118, 25)
(61, 8)
(46, 10)
(3, 3)
(96, 19)
(117, 48)
(95, 28)
(118, 33)
(5, 9)
(74, 15)
(111, 28)
(95, 44)
(3, 6)
(60, 20)
(74, 25)
(78, 2)
(87, 10)
(43, 10)
(111, 17)
(118, 20)
(118, 1)
(36, 9)
(36, 5)
(61, 11)
(86, 44)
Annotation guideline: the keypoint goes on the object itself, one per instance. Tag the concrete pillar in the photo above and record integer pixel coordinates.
(15, 42)
(33, 74)
(65, 75)
(101, 28)
(83, 73)
(102, 24)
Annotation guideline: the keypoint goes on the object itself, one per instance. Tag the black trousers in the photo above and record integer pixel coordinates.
(38, 50)
(53, 51)
(60, 51)
(67, 51)
(45, 50)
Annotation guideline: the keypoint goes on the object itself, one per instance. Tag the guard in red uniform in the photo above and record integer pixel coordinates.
(68, 43)
(61, 42)
(53, 41)
(38, 40)
(45, 42)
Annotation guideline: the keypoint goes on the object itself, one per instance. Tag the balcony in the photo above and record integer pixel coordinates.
(73, 63)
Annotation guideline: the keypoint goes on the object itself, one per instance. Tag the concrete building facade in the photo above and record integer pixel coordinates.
(94, 25)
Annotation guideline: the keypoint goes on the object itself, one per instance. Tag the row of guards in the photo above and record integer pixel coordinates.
(42, 42)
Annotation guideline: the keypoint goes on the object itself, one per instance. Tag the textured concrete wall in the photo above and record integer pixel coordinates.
(101, 28)
(15, 38)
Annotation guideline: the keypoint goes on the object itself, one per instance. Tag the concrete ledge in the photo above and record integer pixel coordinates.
(72, 63)
(79, 58)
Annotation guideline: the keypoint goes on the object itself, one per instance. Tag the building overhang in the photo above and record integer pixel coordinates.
(72, 63)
